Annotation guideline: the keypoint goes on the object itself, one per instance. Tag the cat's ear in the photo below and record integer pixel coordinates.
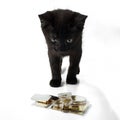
(80, 20)
(42, 20)
(45, 19)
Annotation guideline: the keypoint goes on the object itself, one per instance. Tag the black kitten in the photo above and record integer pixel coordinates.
(63, 33)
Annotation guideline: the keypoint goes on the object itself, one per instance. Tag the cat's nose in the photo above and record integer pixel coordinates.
(60, 48)
(64, 48)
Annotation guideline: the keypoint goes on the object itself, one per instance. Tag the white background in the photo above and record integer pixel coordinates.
(24, 65)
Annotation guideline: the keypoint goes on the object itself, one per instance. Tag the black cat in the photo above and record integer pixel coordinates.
(63, 33)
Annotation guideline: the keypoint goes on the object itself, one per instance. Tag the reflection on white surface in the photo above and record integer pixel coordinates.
(100, 108)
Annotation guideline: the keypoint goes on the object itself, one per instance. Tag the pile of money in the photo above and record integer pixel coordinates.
(65, 102)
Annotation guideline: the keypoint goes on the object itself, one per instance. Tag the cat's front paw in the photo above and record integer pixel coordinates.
(71, 80)
(55, 83)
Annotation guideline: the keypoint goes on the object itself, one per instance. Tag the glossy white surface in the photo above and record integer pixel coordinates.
(24, 65)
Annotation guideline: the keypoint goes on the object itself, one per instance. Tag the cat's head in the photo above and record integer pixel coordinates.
(62, 29)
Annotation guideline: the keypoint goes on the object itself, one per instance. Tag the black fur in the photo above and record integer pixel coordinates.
(63, 33)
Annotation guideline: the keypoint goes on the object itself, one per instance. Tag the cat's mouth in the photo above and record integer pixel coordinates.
(62, 51)
(61, 48)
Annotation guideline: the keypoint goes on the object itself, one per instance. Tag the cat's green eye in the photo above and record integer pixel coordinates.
(53, 40)
(69, 41)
